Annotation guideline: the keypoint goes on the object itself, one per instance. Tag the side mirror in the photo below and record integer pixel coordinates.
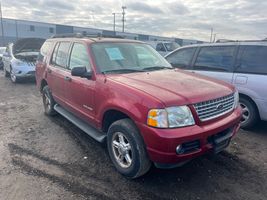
(81, 72)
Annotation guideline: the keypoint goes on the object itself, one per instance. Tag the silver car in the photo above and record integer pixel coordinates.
(20, 57)
(244, 64)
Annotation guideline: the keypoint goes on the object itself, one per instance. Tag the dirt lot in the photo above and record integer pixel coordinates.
(49, 158)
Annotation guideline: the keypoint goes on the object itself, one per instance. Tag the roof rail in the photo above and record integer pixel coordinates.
(225, 40)
(85, 35)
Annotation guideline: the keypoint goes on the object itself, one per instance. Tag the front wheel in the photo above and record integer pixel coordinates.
(13, 76)
(6, 72)
(127, 149)
(250, 113)
(48, 101)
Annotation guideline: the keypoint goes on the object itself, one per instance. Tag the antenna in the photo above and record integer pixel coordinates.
(123, 17)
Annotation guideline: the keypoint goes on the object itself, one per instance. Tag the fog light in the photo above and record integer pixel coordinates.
(178, 149)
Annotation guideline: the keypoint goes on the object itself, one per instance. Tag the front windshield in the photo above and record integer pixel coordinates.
(171, 46)
(127, 57)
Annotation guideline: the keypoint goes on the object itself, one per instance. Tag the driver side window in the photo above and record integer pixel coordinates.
(79, 57)
(181, 58)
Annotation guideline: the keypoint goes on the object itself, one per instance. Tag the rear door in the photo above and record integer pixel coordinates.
(80, 91)
(57, 71)
(216, 62)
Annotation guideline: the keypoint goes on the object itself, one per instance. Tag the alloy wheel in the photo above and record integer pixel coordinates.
(122, 150)
(246, 113)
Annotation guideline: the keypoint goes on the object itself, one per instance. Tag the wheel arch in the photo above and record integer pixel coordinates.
(112, 115)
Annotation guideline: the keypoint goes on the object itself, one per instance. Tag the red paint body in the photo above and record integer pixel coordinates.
(135, 94)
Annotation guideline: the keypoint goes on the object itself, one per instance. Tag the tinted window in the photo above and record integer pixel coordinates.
(79, 57)
(215, 58)
(62, 54)
(181, 58)
(160, 47)
(54, 54)
(252, 59)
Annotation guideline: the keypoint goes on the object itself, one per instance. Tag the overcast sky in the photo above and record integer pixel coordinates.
(192, 19)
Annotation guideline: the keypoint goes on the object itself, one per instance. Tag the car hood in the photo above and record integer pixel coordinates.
(28, 45)
(175, 87)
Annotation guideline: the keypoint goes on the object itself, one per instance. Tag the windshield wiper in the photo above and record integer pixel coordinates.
(156, 68)
(127, 70)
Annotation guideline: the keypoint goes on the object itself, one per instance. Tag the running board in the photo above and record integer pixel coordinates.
(94, 133)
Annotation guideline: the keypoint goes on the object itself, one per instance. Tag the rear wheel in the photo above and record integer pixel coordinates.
(127, 149)
(250, 113)
(48, 101)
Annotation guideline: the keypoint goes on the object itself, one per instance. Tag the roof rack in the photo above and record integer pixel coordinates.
(85, 35)
(226, 40)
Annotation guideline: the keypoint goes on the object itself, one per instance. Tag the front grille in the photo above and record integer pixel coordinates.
(211, 109)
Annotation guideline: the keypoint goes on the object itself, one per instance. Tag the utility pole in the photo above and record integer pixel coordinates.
(2, 26)
(114, 23)
(211, 33)
(123, 17)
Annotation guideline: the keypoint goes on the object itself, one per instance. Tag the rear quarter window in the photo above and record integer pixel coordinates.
(252, 59)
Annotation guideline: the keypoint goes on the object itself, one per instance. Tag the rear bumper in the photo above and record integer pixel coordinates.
(162, 143)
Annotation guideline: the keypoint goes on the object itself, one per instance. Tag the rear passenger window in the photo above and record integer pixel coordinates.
(252, 59)
(61, 58)
(181, 58)
(79, 57)
(215, 58)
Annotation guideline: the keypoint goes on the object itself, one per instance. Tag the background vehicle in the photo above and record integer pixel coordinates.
(20, 57)
(2, 51)
(163, 47)
(243, 64)
(124, 92)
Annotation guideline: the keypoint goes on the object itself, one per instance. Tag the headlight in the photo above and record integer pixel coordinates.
(171, 117)
(236, 99)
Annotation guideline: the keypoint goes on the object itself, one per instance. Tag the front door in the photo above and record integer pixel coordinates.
(80, 92)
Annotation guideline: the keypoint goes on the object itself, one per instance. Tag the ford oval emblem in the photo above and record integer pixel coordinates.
(219, 106)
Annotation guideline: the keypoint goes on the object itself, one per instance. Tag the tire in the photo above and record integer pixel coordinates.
(6, 73)
(131, 144)
(48, 101)
(13, 77)
(250, 113)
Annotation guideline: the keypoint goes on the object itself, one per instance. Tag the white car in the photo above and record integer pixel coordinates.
(19, 58)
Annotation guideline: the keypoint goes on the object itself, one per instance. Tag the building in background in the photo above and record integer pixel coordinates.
(15, 29)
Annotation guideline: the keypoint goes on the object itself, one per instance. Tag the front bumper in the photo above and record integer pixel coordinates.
(162, 143)
(27, 75)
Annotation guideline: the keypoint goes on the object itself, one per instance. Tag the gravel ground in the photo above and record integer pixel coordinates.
(49, 158)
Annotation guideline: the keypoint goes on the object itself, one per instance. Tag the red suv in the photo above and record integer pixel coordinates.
(124, 93)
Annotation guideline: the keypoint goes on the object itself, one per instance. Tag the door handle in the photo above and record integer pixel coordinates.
(49, 71)
(67, 78)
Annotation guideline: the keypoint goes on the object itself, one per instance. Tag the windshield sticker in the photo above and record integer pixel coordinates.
(114, 53)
